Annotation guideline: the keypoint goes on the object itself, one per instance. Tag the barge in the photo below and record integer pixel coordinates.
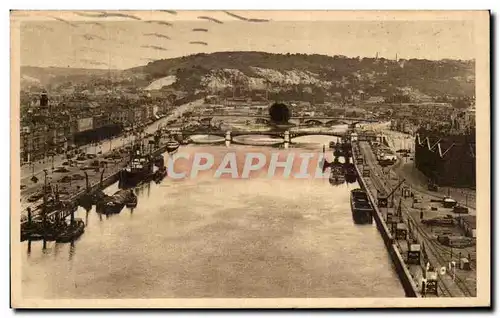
(362, 209)
(336, 175)
(350, 172)
(115, 203)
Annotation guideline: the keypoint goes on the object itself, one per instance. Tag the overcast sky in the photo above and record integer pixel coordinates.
(122, 42)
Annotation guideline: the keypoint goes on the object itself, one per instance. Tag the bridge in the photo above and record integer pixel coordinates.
(286, 135)
(297, 120)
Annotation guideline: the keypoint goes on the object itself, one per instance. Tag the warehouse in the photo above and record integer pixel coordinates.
(449, 160)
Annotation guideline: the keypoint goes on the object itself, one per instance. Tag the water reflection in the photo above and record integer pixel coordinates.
(219, 238)
(72, 250)
(87, 211)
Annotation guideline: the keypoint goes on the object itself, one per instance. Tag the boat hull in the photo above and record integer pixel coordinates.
(361, 216)
(362, 210)
(109, 208)
(72, 233)
(172, 148)
(131, 179)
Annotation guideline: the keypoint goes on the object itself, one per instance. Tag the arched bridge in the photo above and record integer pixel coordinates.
(297, 120)
(290, 134)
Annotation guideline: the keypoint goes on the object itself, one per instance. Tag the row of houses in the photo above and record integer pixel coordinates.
(48, 128)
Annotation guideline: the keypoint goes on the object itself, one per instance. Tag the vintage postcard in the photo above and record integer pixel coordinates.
(256, 159)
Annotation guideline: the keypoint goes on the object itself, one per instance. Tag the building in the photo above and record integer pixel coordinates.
(448, 160)
(119, 116)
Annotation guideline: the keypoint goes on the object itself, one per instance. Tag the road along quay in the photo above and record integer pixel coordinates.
(426, 263)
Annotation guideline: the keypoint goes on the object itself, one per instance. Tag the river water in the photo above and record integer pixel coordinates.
(220, 237)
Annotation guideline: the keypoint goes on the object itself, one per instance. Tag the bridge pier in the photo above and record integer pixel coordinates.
(228, 138)
(286, 138)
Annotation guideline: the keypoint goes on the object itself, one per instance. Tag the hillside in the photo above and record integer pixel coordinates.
(323, 75)
(286, 76)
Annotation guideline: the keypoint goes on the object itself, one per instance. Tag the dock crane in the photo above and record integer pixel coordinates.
(382, 200)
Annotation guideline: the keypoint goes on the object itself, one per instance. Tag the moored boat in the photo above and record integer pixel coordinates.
(362, 209)
(350, 173)
(139, 169)
(115, 203)
(132, 201)
(159, 161)
(172, 145)
(31, 231)
(71, 232)
(160, 174)
(336, 175)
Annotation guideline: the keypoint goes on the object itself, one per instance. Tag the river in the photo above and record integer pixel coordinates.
(223, 238)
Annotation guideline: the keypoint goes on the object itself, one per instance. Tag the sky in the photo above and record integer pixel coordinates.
(121, 42)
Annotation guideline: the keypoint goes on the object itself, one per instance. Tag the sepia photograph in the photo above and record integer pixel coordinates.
(243, 159)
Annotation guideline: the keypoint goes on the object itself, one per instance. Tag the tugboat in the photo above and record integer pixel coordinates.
(172, 145)
(139, 169)
(362, 210)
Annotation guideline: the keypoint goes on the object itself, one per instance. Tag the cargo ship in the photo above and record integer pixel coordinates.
(139, 169)
(362, 210)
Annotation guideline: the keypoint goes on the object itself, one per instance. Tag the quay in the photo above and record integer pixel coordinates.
(96, 182)
(426, 267)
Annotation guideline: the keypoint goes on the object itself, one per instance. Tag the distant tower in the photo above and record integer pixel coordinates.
(44, 104)
(376, 56)
(44, 100)
(396, 57)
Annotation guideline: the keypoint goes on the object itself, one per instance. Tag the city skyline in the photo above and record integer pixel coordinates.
(120, 44)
